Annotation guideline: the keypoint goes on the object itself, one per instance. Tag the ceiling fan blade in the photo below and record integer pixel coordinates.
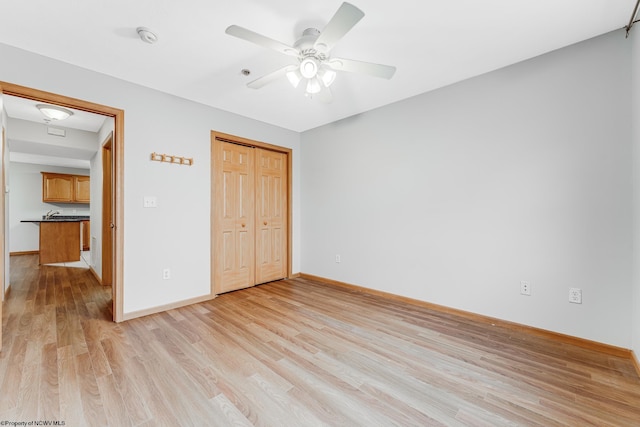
(268, 78)
(352, 66)
(345, 18)
(260, 40)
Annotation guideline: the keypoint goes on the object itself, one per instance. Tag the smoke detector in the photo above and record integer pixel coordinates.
(146, 35)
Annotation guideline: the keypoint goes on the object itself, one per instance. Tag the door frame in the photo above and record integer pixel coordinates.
(118, 168)
(233, 139)
(3, 196)
(107, 210)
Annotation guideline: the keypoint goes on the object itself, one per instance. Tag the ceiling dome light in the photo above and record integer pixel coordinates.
(146, 35)
(53, 112)
(309, 68)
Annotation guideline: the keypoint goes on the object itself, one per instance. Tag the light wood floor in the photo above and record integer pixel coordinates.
(294, 353)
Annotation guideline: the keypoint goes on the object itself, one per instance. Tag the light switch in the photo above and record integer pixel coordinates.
(150, 202)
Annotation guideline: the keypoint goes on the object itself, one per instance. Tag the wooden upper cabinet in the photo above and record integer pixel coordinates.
(64, 188)
(57, 187)
(82, 189)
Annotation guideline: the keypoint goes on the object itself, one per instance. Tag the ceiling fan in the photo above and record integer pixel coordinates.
(314, 66)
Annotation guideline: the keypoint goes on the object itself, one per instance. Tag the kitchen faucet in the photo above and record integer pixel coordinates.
(50, 214)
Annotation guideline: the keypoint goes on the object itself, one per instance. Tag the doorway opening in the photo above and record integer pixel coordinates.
(113, 262)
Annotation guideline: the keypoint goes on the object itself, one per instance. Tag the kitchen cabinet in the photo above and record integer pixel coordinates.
(59, 242)
(65, 188)
(86, 235)
(57, 187)
(82, 189)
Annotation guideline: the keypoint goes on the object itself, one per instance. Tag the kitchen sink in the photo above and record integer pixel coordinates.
(65, 218)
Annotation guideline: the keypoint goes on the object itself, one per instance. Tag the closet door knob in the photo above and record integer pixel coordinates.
(243, 225)
(265, 223)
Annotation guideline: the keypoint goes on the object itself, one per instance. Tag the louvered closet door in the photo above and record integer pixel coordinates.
(271, 216)
(234, 210)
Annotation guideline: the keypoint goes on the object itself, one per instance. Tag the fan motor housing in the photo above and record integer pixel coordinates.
(305, 45)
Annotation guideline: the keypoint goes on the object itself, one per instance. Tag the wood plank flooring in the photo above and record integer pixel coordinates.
(289, 353)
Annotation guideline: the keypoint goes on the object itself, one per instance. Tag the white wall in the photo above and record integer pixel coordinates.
(25, 203)
(177, 233)
(4, 169)
(635, 90)
(455, 196)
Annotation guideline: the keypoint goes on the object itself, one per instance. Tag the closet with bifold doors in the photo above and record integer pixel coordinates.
(250, 213)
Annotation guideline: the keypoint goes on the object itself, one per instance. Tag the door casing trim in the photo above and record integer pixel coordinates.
(215, 135)
(118, 141)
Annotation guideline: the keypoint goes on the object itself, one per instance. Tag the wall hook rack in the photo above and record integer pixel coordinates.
(168, 158)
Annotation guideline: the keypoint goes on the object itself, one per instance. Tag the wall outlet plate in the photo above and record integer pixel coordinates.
(525, 288)
(575, 295)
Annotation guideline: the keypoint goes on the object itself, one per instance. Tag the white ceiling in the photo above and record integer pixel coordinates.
(25, 109)
(432, 44)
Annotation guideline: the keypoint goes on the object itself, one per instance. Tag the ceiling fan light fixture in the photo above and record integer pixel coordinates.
(314, 67)
(294, 77)
(53, 112)
(309, 68)
(327, 76)
(313, 86)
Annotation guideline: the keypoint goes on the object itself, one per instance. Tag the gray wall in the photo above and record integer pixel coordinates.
(635, 40)
(455, 196)
(5, 172)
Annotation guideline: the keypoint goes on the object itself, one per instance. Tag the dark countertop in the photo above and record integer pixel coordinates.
(60, 218)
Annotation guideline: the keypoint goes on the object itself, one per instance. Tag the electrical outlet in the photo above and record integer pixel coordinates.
(166, 274)
(338, 259)
(575, 295)
(525, 288)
